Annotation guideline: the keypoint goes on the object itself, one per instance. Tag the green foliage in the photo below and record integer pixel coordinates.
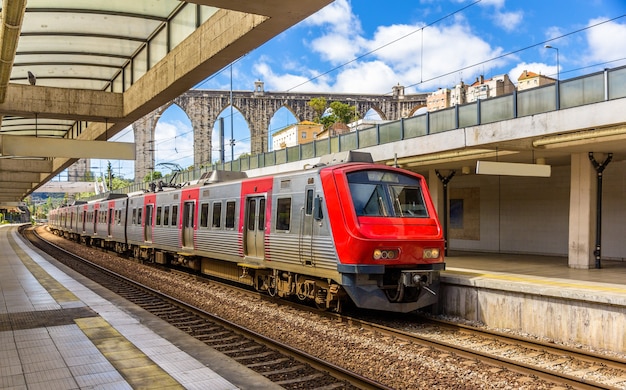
(339, 112)
(152, 176)
(319, 106)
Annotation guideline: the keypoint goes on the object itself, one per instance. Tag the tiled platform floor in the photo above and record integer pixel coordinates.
(58, 333)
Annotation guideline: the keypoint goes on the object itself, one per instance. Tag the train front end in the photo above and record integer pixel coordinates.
(388, 238)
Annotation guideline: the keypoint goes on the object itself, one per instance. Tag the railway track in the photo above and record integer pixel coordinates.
(284, 365)
(572, 367)
(481, 349)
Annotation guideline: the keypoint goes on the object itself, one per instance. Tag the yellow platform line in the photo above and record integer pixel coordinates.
(52, 286)
(594, 286)
(137, 368)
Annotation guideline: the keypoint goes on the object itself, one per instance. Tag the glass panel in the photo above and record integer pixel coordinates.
(235, 165)
(183, 24)
(270, 159)
(254, 161)
(348, 141)
(334, 145)
(204, 215)
(468, 115)
(322, 147)
(281, 156)
(442, 120)
(390, 132)
(584, 90)
(230, 215)
(217, 215)
(368, 137)
(127, 77)
(536, 100)
(244, 163)
(386, 194)
(496, 109)
(617, 83)
(283, 214)
(206, 13)
(415, 126)
(251, 214)
(158, 47)
(117, 84)
(140, 64)
(293, 153)
(307, 150)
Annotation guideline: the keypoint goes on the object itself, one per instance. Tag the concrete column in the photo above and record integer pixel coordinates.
(144, 145)
(436, 192)
(582, 212)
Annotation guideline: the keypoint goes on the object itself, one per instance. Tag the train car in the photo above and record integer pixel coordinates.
(345, 228)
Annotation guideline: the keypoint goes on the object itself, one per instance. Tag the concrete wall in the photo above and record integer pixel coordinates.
(531, 215)
(592, 314)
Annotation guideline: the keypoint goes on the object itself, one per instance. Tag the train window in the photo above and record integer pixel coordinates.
(158, 215)
(217, 215)
(204, 215)
(230, 215)
(251, 214)
(166, 215)
(174, 214)
(283, 214)
(134, 220)
(139, 211)
(309, 202)
(262, 214)
(387, 194)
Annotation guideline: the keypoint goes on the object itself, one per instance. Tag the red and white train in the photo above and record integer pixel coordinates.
(341, 229)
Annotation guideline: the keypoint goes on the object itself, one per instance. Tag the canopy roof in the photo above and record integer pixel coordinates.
(83, 70)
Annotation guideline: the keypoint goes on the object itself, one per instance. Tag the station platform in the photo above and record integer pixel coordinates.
(59, 330)
(539, 296)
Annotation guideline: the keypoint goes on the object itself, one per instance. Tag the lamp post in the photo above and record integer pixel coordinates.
(558, 75)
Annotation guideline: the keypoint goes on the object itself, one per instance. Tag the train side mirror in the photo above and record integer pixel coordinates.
(317, 209)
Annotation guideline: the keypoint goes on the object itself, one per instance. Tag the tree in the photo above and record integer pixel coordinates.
(339, 112)
(319, 106)
(152, 176)
(110, 176)
(344, 113)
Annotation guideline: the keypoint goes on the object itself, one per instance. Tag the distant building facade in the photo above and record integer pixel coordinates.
(529, 80)
(299, 133)
(485, 89)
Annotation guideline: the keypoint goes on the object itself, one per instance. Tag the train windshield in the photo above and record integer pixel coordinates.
(381, 193)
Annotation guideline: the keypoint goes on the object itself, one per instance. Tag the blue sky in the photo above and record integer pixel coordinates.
(357, 47)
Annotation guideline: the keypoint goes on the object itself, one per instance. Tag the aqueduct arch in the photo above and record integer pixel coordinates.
(258, 107)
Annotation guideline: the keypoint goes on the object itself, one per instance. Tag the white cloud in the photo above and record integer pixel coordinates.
(606, 42)
(509, 21)
(535, 67)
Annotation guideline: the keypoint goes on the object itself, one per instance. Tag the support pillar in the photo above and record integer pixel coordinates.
(582, 213)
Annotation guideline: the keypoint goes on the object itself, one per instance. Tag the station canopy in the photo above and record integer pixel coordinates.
(73, 73)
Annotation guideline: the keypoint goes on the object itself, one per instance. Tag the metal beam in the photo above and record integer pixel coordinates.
(14, 145)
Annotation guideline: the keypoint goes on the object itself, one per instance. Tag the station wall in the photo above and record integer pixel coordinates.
(531, 215)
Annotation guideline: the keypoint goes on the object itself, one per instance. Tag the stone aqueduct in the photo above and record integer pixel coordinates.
(203, 108)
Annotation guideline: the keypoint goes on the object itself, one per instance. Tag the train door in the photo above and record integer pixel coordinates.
(147, 228)
(188, 222)
(308, 228)
(84, 220)
(255, 226)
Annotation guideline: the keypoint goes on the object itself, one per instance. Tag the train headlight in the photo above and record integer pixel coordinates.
(430, 253)
(386, 254)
